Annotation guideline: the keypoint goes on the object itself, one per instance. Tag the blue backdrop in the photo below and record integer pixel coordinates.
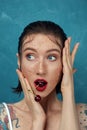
(15, 14)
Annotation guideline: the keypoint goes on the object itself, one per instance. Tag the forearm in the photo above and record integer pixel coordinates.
(69, 118)
(38, 124)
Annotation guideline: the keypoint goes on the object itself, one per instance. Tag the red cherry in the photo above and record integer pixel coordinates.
(37, 98)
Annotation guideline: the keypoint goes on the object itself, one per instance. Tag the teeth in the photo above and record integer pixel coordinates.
(40, 83)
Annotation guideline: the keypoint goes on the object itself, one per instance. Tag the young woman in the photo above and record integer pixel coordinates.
(45, 68)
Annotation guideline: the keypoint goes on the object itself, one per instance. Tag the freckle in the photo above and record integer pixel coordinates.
(84, 119)
(81, 112)
(81, 106)
(80, 122)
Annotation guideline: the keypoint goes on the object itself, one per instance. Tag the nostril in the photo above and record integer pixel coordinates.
(40, 73)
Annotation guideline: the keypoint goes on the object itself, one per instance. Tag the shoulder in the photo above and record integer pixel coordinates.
(82, 113)
(2, 109)
(3, 117)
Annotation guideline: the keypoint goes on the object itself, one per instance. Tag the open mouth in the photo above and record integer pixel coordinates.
(40, 84)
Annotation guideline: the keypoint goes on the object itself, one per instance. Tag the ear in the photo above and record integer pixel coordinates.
(18, 61)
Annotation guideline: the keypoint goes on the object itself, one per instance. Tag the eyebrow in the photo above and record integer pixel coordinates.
(32, 49)
(29, 48)
(57, 50)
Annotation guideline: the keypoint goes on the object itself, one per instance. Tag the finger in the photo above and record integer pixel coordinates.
(22, 81)
(67, 47)
(69, 41)
(21, 78)
(64, 60)
(74, 70)
(28, 93)
(33, 98)
(29, 90)
(74, 52)
(67, 52)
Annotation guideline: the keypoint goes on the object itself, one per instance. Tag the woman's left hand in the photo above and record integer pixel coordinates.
(69, 116)
(68, 61)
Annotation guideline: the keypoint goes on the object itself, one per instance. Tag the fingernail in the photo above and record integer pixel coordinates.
(69, 39)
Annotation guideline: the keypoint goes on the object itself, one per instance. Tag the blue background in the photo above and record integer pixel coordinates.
(15, 14)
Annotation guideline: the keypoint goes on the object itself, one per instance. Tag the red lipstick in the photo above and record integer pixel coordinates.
(40, 84)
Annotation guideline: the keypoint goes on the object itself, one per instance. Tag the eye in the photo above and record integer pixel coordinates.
(30, 57)
(52, 58)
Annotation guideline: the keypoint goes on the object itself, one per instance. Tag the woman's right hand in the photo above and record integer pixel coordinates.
(37, 112)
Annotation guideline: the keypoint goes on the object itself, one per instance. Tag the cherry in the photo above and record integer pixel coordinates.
(37, 98)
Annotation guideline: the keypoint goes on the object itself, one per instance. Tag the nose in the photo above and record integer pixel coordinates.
(41, 68)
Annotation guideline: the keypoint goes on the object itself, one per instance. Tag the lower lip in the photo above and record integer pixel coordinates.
(41, 88)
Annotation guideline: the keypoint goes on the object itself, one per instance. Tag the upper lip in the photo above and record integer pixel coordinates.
(40, 82)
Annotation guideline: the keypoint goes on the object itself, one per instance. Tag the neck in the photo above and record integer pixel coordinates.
(49, 103)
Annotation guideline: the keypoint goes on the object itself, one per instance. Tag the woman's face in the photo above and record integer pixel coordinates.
(41, 63)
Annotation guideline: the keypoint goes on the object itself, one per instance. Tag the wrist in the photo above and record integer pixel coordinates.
(68, 88)
(38, 124)
(68, 93)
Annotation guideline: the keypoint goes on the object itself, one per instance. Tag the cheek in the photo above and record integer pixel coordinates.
(25, 71)
(55, 77)
(57, 68)
(57, 73)
(25, 68)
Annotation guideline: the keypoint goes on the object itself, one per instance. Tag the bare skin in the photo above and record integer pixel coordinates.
(22, 121)
(49, 113)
